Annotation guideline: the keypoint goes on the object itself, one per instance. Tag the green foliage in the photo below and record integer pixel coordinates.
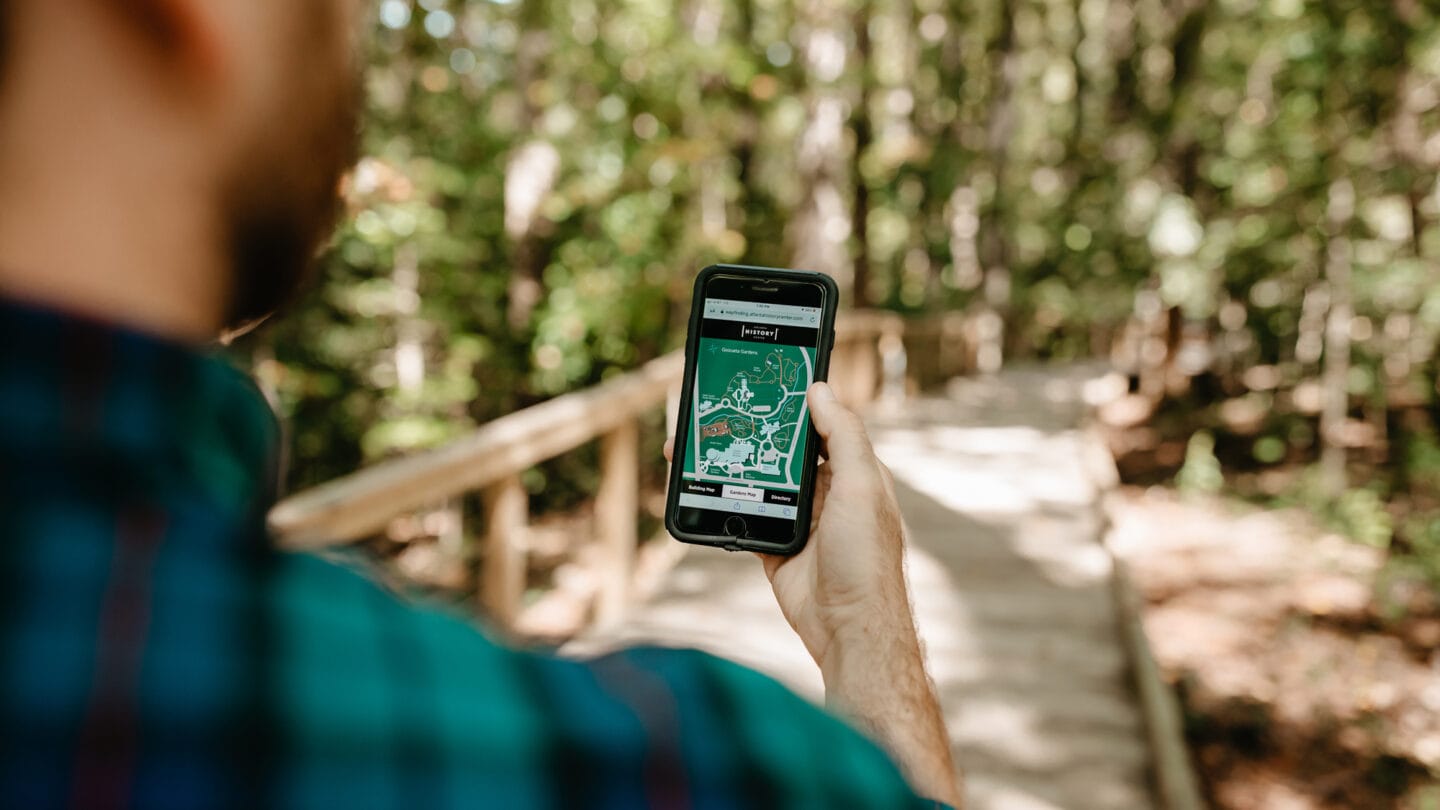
(1422, 461)
(1418, 565)
(1361, 514)
(1423, 535)
(1201, 473)
(1428, 798)
(1269, 449)
(543, 179)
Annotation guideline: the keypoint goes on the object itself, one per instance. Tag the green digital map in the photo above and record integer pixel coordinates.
(749, 415)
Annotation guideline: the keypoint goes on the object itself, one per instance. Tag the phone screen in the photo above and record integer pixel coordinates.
(745, 452)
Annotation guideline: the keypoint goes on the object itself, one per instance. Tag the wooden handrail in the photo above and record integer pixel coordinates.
(870, 347)
(363, 502)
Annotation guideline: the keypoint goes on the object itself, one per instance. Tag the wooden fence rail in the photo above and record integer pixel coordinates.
(871, 354)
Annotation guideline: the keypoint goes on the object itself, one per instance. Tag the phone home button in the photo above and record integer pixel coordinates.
(735, 526)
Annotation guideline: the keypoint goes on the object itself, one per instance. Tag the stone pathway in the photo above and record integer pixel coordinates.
(1001, 495)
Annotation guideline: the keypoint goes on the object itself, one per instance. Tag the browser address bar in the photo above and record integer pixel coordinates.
(757, 312)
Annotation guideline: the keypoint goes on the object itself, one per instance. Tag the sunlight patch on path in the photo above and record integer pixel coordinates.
(1011, 589)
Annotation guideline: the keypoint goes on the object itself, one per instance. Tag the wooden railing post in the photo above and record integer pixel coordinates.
(840, 368)
(954, 357)
(672, 409)
(865, 367)
(502, 584)
(616, 507)
(894, 361)
(869, 350)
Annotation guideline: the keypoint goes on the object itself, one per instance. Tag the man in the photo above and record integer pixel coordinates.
(167, 168)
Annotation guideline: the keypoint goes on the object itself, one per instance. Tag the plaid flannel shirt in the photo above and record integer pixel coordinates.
(156, 651)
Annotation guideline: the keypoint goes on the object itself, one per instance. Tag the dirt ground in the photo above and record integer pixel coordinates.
(1298, 693)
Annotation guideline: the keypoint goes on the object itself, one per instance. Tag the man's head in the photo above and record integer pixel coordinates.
(241, 111)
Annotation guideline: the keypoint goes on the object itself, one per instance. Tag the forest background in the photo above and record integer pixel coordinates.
(1234, 202)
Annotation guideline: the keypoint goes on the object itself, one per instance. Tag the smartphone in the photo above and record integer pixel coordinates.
(743, 472)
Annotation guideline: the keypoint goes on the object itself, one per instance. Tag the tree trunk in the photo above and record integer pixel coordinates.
(822, 226)
(861, 127)
(1335, 382)
(530, 174)
(409, 328)
(990, 353)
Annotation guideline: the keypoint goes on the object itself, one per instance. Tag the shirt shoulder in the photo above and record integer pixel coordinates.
(365, 677)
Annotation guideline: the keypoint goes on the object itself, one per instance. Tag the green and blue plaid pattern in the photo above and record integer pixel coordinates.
(156, 652)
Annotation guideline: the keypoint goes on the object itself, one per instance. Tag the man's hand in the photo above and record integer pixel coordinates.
(845, 595)
(851, 572)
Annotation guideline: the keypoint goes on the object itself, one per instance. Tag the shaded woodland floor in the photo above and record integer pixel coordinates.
(1297, 693)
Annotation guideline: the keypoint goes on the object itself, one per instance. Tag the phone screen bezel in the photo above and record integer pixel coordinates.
(767, 285)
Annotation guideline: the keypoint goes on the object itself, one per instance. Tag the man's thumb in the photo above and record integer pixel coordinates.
(842, 430)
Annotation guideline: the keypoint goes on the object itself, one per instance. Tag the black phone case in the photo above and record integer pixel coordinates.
(812, 445)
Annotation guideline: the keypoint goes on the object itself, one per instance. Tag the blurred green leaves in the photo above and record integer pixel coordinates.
(1059, 161)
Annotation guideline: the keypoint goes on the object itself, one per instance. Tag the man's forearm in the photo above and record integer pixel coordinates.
(875, 675)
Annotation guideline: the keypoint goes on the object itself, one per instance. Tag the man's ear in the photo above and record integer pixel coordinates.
(180, 32)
